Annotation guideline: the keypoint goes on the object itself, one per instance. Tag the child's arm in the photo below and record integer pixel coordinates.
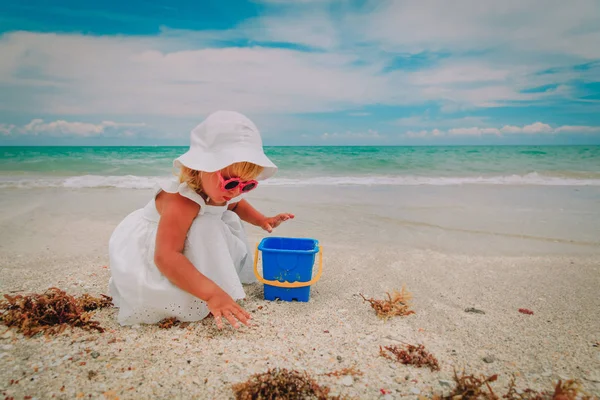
(251, 215)
(177, 214)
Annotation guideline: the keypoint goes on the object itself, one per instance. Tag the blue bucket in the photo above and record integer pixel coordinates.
(288, 267)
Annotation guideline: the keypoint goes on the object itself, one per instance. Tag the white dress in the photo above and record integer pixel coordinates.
(216, 244)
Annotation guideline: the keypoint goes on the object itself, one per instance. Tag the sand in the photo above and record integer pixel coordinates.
(58, 238)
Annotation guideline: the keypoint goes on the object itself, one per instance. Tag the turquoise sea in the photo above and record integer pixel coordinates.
(142, 167)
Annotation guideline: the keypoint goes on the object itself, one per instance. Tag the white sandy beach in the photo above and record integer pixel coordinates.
(495, 248)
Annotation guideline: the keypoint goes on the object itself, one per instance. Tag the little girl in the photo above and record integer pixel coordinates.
(185, 254)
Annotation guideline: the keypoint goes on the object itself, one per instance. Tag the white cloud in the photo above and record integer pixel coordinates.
(537, 128)
(491, 53)
(511, 129)
(472, 25)
(70, 128)
(427, 122)
(484, 96)
(424, 133)
(418, 134)
(6, 129)
(415, 120)
(177, 75)
(313, 30)
(578, 129)
(474, 131)
(532, 129)
(459, 73)
(64, 128)
(129, 76)
(123, 124)
(370, 134)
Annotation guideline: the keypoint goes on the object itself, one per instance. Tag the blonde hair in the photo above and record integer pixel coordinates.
(244, 170)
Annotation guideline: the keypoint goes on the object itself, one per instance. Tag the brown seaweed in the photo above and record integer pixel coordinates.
(409, 354)
(170, 322)
(345, 371)
(567, 390)
(281, 384)
(397, 304)
(90, 303)
(51, 312)
(470, 387)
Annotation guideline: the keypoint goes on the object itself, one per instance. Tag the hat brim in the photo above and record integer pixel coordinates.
(198, 160)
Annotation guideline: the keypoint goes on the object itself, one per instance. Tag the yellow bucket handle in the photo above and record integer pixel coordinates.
(289, 284)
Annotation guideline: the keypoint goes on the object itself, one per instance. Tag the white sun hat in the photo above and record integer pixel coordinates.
(224, 138)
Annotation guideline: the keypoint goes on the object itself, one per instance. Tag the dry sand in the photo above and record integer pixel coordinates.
(41, 247)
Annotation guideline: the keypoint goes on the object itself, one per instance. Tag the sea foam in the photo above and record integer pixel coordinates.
(149, 182)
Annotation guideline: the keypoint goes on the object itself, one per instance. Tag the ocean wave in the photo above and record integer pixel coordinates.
(149, 182)
(527, 179)
(86, 181)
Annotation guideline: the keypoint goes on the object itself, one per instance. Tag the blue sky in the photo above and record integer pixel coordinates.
(307, 72)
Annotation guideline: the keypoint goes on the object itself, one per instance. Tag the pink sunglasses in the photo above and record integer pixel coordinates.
(232, 183)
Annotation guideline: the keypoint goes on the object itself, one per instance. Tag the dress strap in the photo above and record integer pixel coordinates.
(173, 186)
(186, 191)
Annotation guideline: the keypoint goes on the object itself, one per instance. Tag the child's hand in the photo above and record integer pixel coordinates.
(222, 305)
(271, 223)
